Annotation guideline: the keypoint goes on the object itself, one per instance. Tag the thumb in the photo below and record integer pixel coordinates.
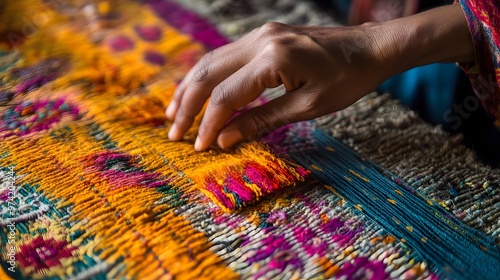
(289, 108)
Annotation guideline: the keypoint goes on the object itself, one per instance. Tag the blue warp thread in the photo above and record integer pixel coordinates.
(454, 249)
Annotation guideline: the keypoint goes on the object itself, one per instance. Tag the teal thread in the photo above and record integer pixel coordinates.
(454, 249)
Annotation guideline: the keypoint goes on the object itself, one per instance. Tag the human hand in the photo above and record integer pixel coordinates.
(316, 65)
(324, 69)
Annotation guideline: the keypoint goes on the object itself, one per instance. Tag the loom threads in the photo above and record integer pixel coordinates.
(164, 226)
(425, 226)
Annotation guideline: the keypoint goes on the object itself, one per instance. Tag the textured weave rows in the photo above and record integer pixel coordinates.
(119, 80)
(101, 193)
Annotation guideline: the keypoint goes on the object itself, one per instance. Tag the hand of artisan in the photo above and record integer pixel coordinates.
(324, 69)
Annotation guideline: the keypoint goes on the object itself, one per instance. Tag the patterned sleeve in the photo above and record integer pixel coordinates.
(483, 18)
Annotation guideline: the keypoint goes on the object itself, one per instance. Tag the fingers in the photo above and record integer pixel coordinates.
(222, 62)
(196, 87)
(236, 91)
(289, 108)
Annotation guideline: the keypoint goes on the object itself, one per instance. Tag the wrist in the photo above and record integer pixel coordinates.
(438, 35)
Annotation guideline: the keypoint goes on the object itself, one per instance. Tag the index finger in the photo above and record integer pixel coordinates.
(233, 93)
(195, 89)
(214, 61)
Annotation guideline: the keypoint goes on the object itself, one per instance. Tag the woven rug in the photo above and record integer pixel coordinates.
(92, 189)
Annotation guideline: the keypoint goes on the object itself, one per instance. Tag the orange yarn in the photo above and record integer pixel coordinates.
(94, 138)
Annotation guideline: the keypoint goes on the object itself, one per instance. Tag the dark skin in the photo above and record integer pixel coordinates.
(324, 69)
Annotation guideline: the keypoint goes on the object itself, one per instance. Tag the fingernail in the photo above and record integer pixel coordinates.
(197, 144)
(170, 110)
(172, 133)
(229, 137)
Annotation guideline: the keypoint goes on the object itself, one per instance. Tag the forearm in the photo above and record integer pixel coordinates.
(438, 35)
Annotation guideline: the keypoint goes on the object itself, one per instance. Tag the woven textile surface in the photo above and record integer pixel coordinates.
(92, 188)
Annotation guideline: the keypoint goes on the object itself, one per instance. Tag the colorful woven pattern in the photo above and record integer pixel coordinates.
(115, 83)
(91, 188)
(483, 21)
